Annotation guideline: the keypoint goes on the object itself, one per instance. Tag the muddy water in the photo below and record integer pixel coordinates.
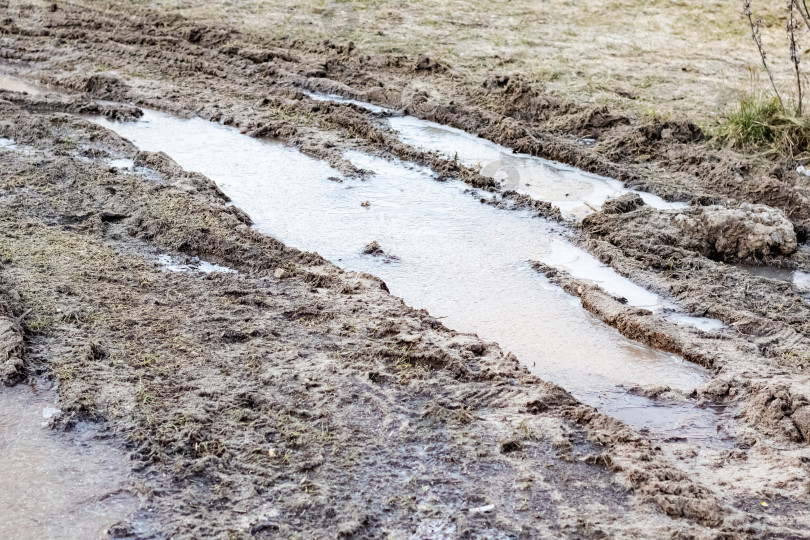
(56, 485)
(799, 279)
(14, 84)
(461, 260)
(574, 191)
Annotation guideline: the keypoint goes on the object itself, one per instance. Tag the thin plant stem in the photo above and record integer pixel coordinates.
(758, 40)
(802, 12)
(794, 55)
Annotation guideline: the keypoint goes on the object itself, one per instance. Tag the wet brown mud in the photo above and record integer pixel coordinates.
(253, 403)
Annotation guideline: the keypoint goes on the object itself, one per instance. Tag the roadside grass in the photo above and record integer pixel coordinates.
(758, 123)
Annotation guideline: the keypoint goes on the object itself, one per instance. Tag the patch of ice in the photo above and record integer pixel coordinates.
(801, 280)
(19, 85)
(703, 323)
(126, 164)
(49, 412)
(319, 96)
(122, 163)
(582, 265)
(196, 265)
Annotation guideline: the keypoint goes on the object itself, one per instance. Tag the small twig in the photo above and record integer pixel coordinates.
(758, 39)
(803, 12)
(24, 315)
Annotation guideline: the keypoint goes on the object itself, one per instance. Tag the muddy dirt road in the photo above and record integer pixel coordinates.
(262, 390)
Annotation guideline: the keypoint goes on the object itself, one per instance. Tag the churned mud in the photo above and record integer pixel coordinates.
(264, 391)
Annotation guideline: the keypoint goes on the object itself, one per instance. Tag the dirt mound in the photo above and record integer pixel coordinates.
(745, 232)
(735, 234)
(779, 411)
(175, 174)
(621, 205)
(76, 104)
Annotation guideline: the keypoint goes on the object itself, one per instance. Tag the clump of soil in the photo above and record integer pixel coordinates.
(744, 232)
(749, 231)
(621, 205)
(375, 250)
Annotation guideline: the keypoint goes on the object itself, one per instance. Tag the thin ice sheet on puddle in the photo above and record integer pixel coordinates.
(173, 264)
(336, 98)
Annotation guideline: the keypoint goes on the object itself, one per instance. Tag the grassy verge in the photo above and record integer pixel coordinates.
(760, 124)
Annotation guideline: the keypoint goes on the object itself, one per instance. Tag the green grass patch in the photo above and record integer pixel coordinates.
(758, 123)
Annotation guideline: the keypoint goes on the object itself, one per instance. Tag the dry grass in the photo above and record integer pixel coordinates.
(674, 57)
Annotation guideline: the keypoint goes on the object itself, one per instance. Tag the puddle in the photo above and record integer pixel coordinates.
(769, 272)
(11, 144)
(574, 191)
(127, 164)
(687, 423)
(193, 264)
(56, 485)
(703, 323)
(121, 163)
(14, 84)
(317, 96)
(463, 261)
(799, 279)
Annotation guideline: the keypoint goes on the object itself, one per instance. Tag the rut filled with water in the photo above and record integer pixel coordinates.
(56, 485)
(446, 252)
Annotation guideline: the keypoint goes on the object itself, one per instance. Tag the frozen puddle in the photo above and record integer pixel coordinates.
(461, 260)
(126, 164)
(336, 98)
(574, 191)
(56, 485)
(801, 280)
(11, 144)
(194, 264)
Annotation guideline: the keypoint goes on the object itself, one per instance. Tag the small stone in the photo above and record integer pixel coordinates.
(280, 273)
